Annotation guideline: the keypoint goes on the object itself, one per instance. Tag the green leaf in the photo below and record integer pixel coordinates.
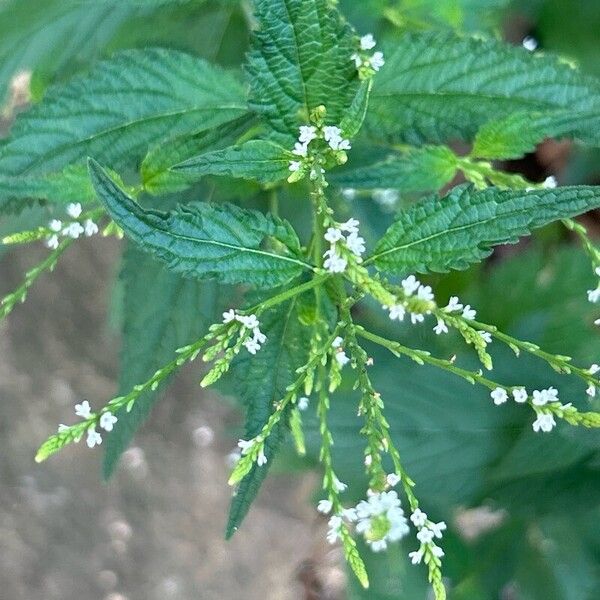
(519, 133)
(162, 311)
(70, 185)
(206, 241)
(460, 229)
(355, 117)
(300, 59)
(157, 177)
(419, 170)
(260, 381)
(118, 109)
(256, 160)
(435, 87)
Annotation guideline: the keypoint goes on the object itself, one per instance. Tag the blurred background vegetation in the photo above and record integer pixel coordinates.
(524, 510)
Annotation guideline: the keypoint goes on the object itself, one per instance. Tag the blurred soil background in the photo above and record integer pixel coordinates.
(155, 531)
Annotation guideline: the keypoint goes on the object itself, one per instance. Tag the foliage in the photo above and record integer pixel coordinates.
(193, 163)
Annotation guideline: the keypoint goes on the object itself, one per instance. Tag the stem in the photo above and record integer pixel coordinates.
(274, 203)
(421, 356)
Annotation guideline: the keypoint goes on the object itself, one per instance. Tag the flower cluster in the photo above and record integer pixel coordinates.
(107, 421)
(334, 140)
(427, 533)
(345, 242)
(250, 323)
(248, 446)
(73, 229)
(545, 403)
(340, 356)
(379, 519)
(365, 63)
(594, 295)
(412, 287)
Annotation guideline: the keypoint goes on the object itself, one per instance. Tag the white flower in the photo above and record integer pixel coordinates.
(437, 528)
(262, 459)
(542, 397)
(377, 61)
(440, 328)
(357, 58)
(333, 235)
(416, 557)
(594, 295)
(419, 518)
(332, 132)
(52, 242)
(591, 391)
(436, 551)
(594, 369)
(597, 271)
(425, 536)
(410, 285)
(550, 182)
(339, 486)
(416, 318)
(55, 225)
(307, 134)
(425, 293)
(74, 210)
(303, 403)
(334, 263)
(356, 244)
(259, 336)
(335, 524)
(381, 519)
(597, 322)
(469, 313)
(545, 422)
(386, 198)
(393, 480)
(337, 343)
(486, 336)
(367, 42)
(349, 193)
(90, 228)
(83, 410)
(300, 149)
(229, 316)
(252, 346)
(73, 230)
(107, 421)
(249, 321)
(325, 506)
(397, 312)
(453, 305)
(93, 438)
(350, 226)
(530, 43)
(246, 446)
(520, 395)
(342, 358)
(295, 165)
(499, 396)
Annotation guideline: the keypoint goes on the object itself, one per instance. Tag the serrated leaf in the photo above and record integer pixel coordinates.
(70, 185)
(162, 311)
(419, 170)
(157, 177)
(300, 59)
(435, 87)
(257, 160)
(206, 241)
(261, 380)
(119, 108)
(519, 133)
(439, 234)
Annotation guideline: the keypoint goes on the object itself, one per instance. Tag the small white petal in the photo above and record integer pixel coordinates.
(74, 210)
